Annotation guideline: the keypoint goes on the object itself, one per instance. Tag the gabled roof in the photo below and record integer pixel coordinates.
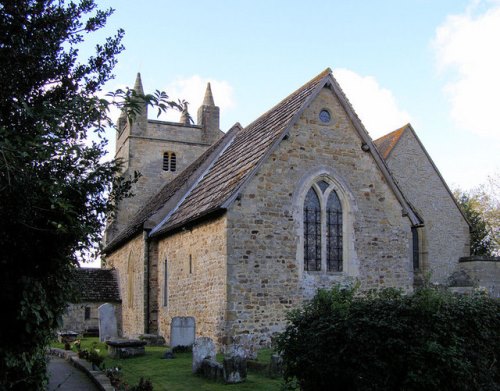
(217, 177)
(387, 143)
(97, 285)
(169, 194)
(241, 159)
(251, 146)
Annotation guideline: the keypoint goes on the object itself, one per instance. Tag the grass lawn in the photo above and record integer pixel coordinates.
(173, 375)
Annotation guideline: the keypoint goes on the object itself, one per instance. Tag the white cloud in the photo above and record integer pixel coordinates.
(376, 106)
(192, 90)
(467, 47)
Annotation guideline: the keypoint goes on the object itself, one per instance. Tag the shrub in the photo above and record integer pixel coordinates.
(429, 340)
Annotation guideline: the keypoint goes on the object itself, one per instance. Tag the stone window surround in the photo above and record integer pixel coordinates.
(327, 174)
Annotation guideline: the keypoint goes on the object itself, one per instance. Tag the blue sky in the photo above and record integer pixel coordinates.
(434, 63)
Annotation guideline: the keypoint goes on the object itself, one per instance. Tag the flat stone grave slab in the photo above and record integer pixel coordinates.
(125, 348)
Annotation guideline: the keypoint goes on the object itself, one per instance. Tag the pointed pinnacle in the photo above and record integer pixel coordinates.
(138, 84)
(208, 100)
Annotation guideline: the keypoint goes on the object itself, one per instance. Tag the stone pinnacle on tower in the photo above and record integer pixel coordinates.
(208, 117)
(208, 100)
(138, 84)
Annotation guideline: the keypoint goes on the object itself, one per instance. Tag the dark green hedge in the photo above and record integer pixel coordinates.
(430, 340)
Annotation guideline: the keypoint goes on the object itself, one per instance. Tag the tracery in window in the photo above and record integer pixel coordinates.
(323, 227)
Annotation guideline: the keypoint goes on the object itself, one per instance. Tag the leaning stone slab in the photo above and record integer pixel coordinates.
(242, 346)
(276, 366)
(125, 348)
(203, 348)
(212, 370)
(235, 369)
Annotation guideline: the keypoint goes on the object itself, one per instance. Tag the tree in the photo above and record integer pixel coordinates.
(481, 206)
(52, 180)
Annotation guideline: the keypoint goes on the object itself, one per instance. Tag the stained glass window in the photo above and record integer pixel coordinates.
(312, 232)
(323, 228)
(333, 233)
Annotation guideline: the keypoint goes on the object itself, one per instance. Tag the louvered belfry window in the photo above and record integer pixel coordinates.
(322, 222)
(169, 161)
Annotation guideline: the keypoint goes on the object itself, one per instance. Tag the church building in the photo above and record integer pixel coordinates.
(237, 228)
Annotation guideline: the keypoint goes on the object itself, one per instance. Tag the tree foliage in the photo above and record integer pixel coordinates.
(481, 206)
(430, 340)
(52, 180)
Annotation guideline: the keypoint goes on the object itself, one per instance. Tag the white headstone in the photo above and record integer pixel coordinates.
(182, 331)
(203, 348)
(108, 328)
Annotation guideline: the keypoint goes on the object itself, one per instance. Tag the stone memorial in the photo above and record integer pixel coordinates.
(182, 331)
(203, 348)
(108, 327)
(125, 348)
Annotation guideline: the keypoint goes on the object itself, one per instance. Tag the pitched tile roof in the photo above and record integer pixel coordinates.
(241, 157)
(97, 285)
(386, 144)
(213, 181)
(167, 193)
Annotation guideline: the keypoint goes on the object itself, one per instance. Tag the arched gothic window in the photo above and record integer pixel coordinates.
(322, 218)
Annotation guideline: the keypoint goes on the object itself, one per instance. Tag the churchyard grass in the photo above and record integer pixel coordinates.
(175, 375)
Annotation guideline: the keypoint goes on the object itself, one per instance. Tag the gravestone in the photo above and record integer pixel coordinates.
(182, 331)
(203, 348)
(108, 328)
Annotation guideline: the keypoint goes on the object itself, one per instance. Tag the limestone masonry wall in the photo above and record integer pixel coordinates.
(196, 278)
(446, 233)
(265, 258)
(129, 262)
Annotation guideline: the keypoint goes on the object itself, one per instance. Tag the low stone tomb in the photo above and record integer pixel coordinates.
(182, 331)
(125, 348)
(152, 339)
(67, 336)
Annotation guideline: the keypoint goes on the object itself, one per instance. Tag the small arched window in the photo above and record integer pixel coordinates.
(169, 161)
(323, 227)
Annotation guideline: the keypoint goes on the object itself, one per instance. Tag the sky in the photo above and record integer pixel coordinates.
(435, 64)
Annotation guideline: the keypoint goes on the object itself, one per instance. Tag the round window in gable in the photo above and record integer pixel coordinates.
(324, 116)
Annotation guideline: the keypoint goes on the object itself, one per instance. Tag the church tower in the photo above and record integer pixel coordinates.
(159, 151)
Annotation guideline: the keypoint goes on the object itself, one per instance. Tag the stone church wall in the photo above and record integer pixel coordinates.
(196, 282)
(129, 261)
(265, 261)
(446, 233)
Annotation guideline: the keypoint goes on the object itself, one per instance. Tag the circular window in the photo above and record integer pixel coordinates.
(324, 116)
